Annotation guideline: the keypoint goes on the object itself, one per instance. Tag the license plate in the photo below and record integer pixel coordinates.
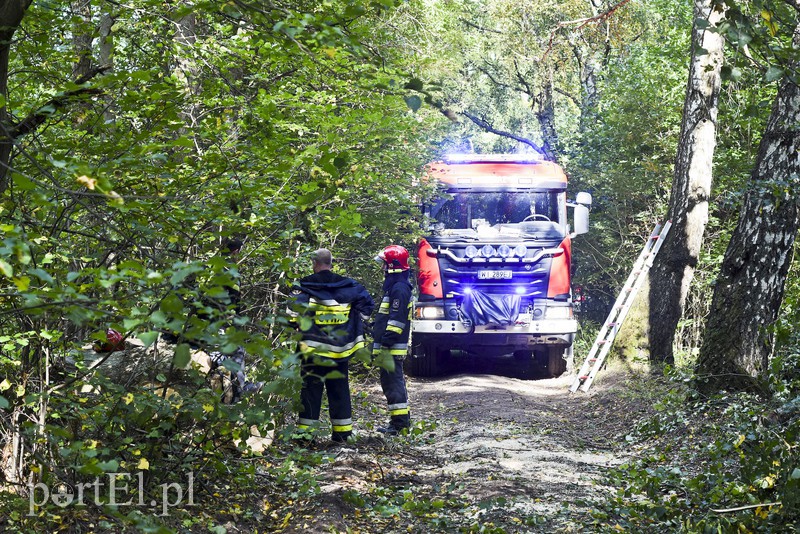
(494, 275)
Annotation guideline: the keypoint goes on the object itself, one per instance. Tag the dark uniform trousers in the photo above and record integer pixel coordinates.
(394, 389)
(316, 379)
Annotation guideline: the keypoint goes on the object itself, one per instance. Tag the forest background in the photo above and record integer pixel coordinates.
(138, 136)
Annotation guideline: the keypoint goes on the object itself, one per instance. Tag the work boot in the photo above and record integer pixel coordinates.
(340, 437)
(396, 425)
(392, 429)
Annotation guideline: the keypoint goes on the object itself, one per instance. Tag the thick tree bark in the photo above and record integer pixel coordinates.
(673, 269)
(737, 345)
(11, 13)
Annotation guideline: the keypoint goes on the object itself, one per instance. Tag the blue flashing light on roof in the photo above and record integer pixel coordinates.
(528, 157)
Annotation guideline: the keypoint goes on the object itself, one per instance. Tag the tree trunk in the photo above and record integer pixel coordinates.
(591, 63)
(673, 269)
(106, 52)
(546, 116)
(186, 70)
(11, 13)
(749, 290)
(82, 38)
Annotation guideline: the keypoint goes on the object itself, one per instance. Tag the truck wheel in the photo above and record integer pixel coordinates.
(557, 359)
(426, 360)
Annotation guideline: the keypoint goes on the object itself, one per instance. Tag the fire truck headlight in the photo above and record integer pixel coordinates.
(520, 251)
(429, 312)
(504, 251)
(471, 251)
(487, 251)
(558, 312)
(519, 290)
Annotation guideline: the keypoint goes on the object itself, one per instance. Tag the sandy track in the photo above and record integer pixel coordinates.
(501, 446)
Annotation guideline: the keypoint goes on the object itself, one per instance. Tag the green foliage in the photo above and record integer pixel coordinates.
(625, 159)
(280, 126)
(760, 33)
(302, 126)
(173, 431)
(726, 463)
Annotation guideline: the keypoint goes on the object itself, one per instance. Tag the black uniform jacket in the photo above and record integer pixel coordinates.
(334, 308)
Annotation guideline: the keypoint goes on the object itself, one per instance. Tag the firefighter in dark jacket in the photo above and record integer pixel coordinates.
(337, 308)
(391, 333)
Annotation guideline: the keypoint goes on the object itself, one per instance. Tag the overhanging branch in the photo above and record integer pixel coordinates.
(491, 129)
(42, 113)
(580, 23)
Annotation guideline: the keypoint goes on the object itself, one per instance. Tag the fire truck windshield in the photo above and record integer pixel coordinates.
(464, 210)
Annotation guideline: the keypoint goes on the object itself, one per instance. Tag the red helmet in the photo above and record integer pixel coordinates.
(113, 342)
(395, 257)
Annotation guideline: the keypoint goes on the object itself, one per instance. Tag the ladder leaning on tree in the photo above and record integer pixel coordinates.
(594, 361)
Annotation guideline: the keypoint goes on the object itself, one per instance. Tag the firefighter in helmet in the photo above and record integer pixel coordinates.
(390, 335)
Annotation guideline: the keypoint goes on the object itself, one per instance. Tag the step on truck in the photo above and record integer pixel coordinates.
(494, 267)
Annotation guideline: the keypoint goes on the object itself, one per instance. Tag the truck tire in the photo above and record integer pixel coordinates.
(425, 360)
(558, 359)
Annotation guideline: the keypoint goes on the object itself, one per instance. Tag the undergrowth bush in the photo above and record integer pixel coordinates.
(144, 457)
(727, 463)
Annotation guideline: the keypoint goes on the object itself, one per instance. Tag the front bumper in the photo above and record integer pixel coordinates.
(555, 331)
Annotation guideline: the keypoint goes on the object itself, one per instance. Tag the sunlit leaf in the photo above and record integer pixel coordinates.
(182, 356)
(148, 338)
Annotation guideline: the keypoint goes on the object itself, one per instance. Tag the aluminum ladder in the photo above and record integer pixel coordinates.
(605, 338)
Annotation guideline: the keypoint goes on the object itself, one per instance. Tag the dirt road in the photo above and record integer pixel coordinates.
(494, 451)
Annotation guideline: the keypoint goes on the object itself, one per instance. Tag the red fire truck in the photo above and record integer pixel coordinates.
(494, 268)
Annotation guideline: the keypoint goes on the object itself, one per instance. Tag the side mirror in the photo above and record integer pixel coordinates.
(581, 219)
(581, 214)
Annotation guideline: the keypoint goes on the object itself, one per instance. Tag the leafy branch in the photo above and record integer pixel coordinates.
(44, 112)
